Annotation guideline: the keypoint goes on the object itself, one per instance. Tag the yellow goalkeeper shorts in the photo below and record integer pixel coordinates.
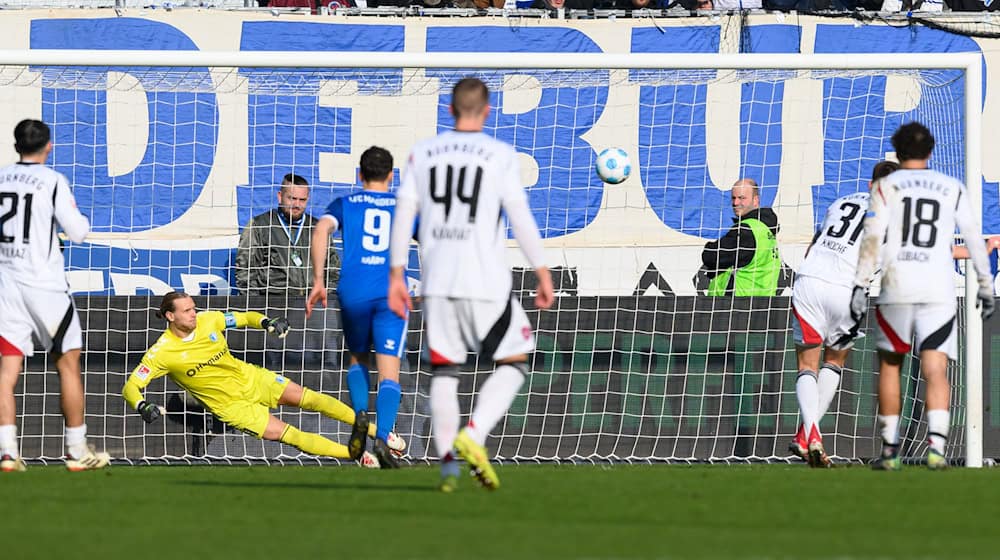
(252, 411)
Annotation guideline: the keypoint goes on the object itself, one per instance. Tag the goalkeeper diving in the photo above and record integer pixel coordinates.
(193, 351)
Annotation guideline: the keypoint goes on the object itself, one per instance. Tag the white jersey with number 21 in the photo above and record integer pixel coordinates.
(34, 199)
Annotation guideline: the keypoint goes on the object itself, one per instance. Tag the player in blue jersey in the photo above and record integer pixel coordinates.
(364, 219)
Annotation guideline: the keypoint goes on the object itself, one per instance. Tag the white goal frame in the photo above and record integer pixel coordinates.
(968, 63)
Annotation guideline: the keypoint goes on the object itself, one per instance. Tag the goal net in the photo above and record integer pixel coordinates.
(633, 363)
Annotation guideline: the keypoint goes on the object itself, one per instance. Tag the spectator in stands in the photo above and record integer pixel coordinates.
(273, 261)
(634, 4)
(566, 4)
(745, 261)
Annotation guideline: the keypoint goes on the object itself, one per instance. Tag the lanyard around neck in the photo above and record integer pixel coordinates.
(288, 229)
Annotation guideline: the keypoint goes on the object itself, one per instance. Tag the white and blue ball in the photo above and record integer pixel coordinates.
(613, 165)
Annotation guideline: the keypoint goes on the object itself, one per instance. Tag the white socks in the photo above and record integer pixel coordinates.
(937, 429)
(76, 441)
(495, 397)
(444, 413)
(829, 380)
(807, 391)
(8, 441)
(890, 429)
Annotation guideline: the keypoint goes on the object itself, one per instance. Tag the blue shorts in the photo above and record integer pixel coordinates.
(370, 323)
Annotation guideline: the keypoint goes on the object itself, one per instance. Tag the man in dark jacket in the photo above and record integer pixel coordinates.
(273, 261)
(745, 261)
(273, 256)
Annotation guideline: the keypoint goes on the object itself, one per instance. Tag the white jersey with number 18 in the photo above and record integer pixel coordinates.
(33, 200)
(833, 255)
(461, 182)
(916, 212)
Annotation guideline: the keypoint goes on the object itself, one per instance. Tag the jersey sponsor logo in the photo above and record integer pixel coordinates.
(142, 372)
(192, 371)
(230, 320)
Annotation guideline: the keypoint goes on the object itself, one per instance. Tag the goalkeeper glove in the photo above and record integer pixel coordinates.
(149, 411)
(859, 303)
(277, 326)
(987, 304)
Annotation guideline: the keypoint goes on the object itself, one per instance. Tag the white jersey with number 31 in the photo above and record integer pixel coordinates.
(33, 200)
(461, 181)
(833, 255)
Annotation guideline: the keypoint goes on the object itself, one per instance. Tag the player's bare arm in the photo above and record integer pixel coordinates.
(318, 251)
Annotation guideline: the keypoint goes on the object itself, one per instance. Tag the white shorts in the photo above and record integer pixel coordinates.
(494, 329)
(821, 314)
(931, 325)
(48, 314)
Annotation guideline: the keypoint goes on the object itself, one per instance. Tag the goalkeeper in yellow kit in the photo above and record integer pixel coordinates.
(194, 353)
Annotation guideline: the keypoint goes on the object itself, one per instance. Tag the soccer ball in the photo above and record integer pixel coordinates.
(613, 165)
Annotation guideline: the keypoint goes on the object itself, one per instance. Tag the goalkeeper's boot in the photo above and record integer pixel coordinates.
(90, 460)
(359, 436)
(936, 461)
(385, 456)
(397, 445)
(368, 460)
(817, 454)
(889, 461)
(449, 484)
(478, 460)
(12, 464)
(799, 446)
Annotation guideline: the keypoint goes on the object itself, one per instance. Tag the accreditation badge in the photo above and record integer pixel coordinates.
(296, 258)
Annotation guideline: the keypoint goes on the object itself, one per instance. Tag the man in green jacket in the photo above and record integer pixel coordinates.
(745, 261)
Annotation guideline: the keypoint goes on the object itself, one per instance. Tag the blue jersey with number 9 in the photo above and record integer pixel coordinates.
(365, 220)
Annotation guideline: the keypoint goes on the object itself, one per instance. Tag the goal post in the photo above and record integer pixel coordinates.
(585, 412)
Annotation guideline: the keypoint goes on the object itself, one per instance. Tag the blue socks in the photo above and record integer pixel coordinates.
(357, 385)
(386, 407)
(386, 401)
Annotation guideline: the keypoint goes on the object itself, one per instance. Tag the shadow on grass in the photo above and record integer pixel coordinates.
(333, 485)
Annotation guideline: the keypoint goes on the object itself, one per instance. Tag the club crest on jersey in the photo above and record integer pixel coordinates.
(213, 337)
(526, 332)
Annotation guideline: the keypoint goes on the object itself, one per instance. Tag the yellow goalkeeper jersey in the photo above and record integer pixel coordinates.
(200, 363)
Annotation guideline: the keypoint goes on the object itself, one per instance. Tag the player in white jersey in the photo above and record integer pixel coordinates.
(462, 183)
(34, 295)
(821, 314)
(915, 211)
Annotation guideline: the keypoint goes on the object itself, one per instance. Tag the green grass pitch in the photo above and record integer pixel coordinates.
(762, 511)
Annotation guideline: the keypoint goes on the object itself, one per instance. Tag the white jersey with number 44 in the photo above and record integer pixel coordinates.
(34, 199)
(461, 181)
(833, 255)
(916, 212)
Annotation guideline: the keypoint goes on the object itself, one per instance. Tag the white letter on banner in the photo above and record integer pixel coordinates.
(129, 284)
(193, 284)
